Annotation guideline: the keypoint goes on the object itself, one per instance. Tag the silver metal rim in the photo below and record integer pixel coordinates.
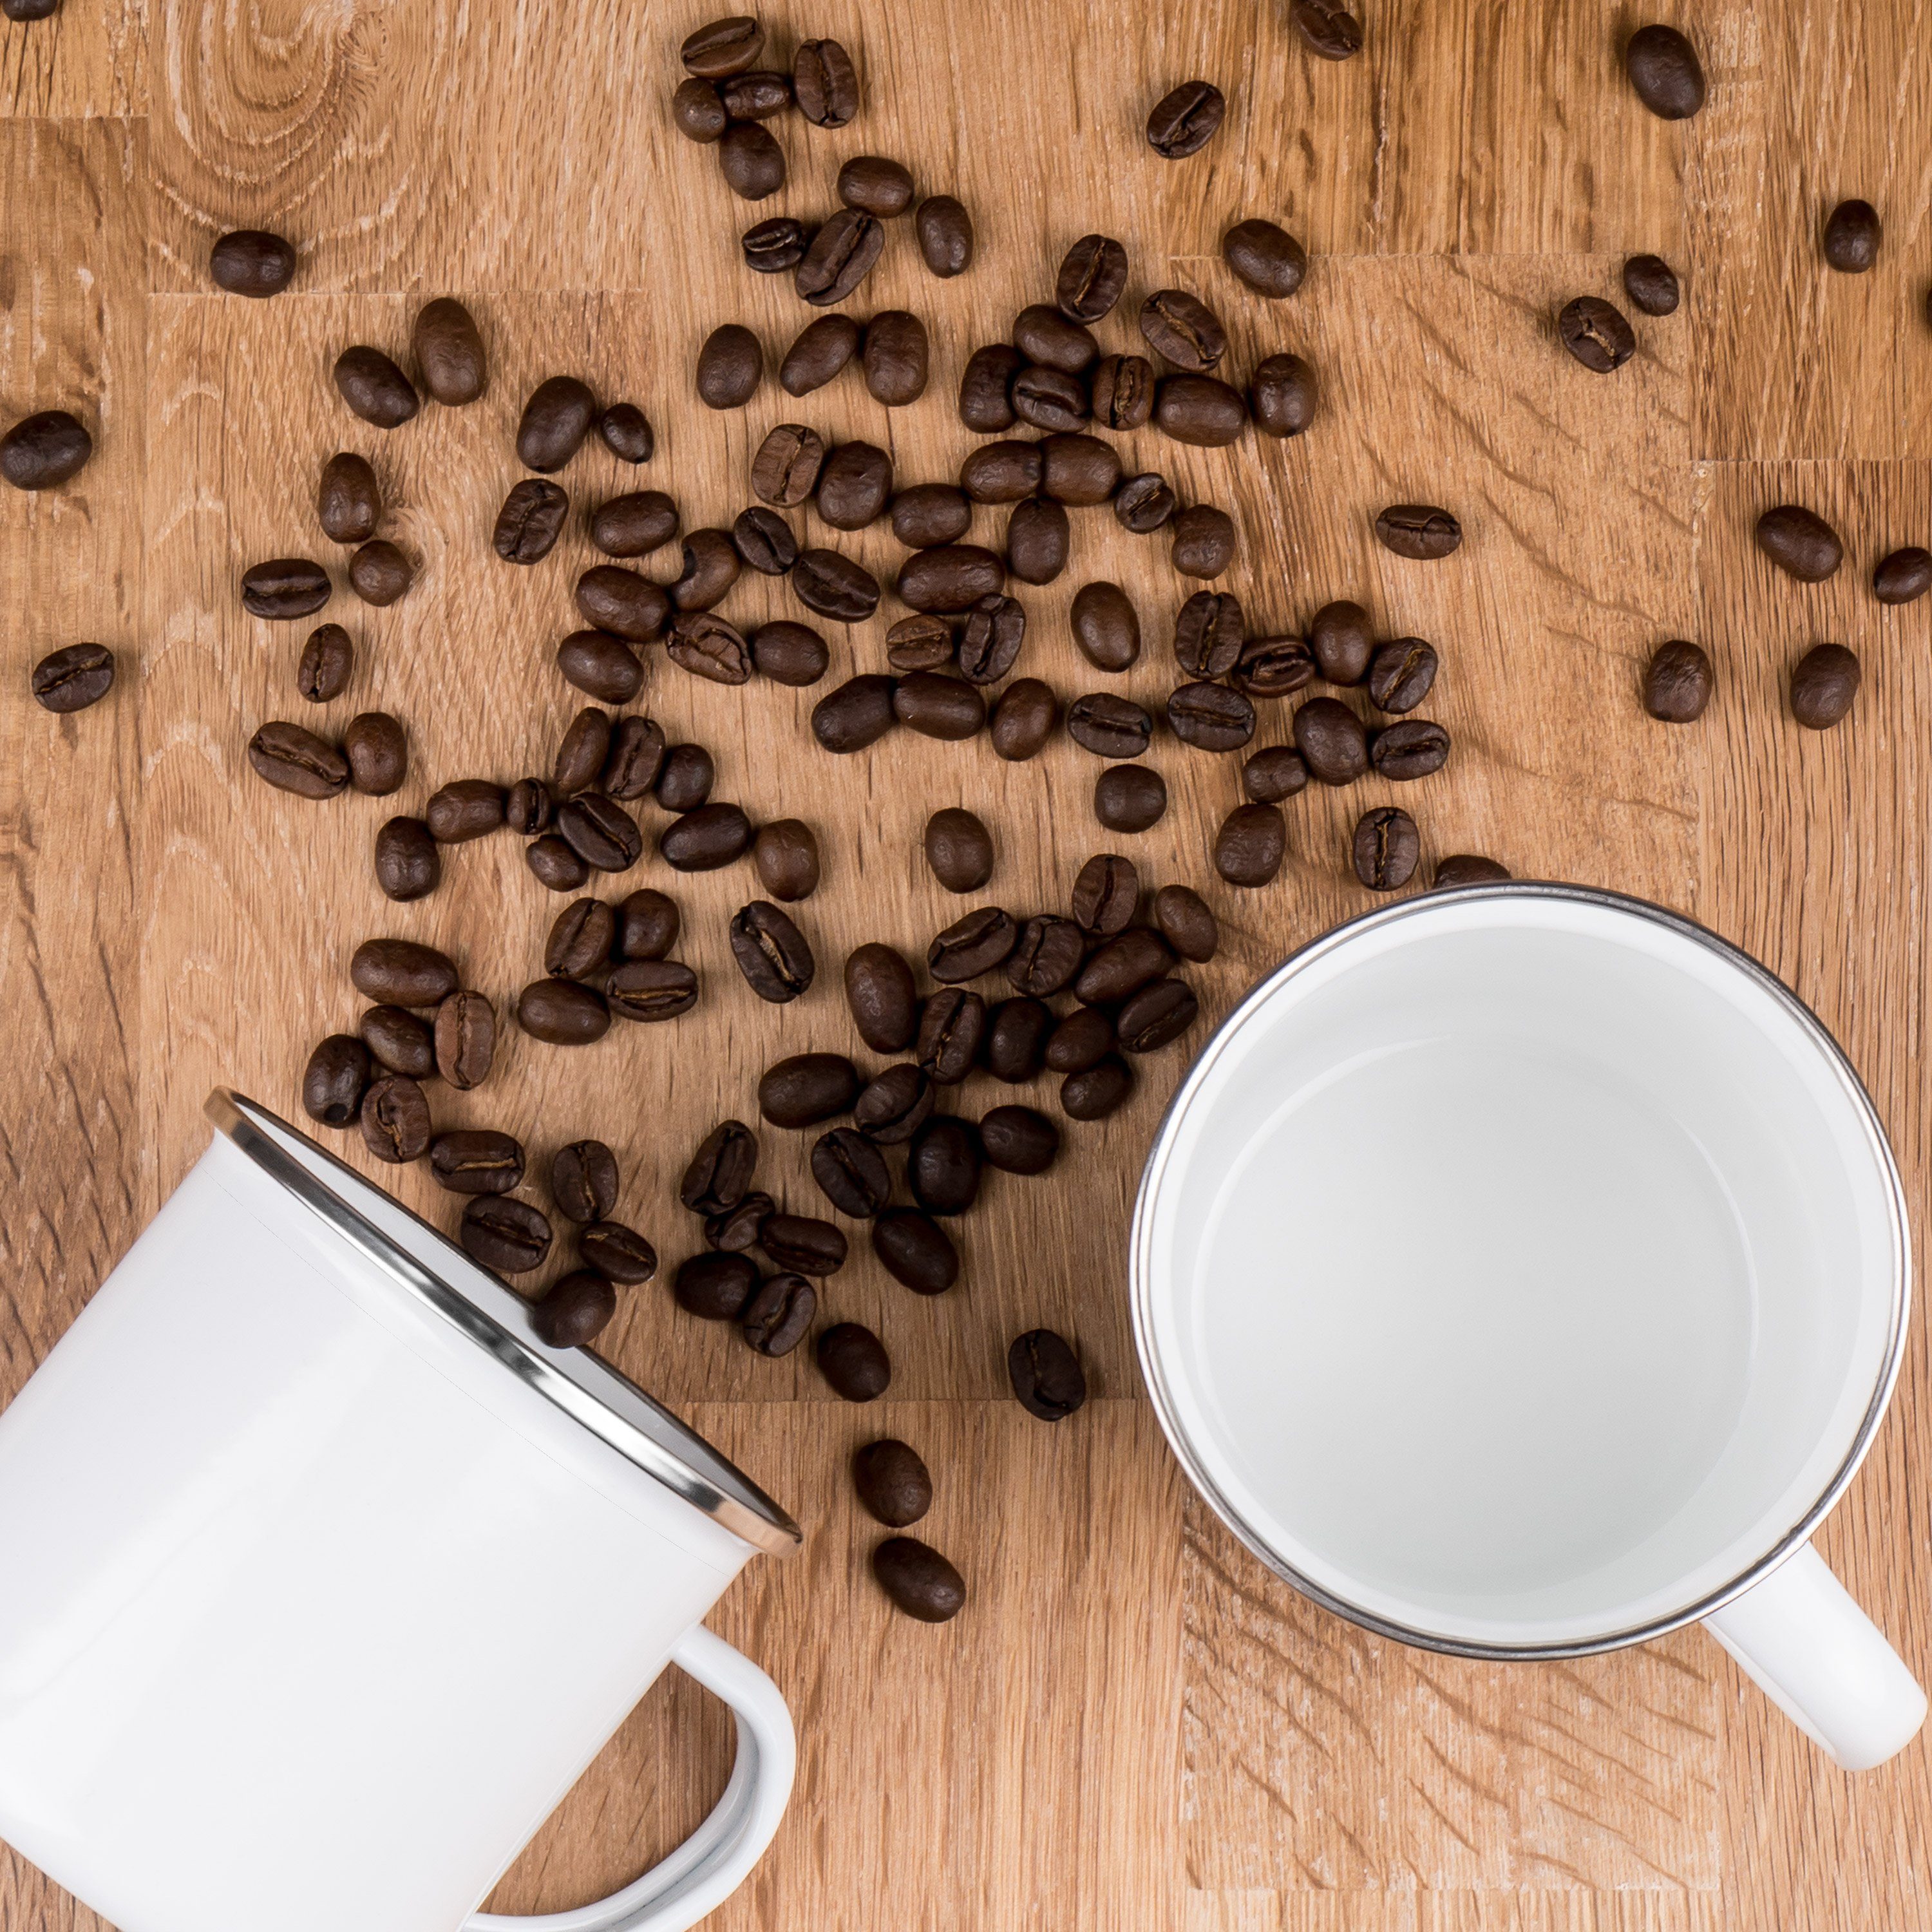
(1787, 1545)
(492, 1315)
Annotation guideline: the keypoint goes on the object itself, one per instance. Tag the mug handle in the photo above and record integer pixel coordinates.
(1822, 1662)
(716, 1859)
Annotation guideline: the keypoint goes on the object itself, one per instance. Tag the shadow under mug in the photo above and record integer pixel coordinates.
(1522, 1271)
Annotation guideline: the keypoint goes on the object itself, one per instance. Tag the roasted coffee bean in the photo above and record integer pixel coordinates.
(1106, 626)
(1663, 68)
(650, 990)
(853, 1361)
(449, 352)
(583, 1181)
(1342, 642)
(1651, 283)
(771, 952)
(1275, 773)
(1125, 963)
(722, 47)
(553, 865)
(378, 752)
(716, 1286)
(1208, 634)
(1201, 410)
(408, 866)
(1106, 893)
(1130, 798)
(720, 1172)
(1468, 868)
(1385, 848)
(395, 1119)
(892, 1482)
(1597, 334)
(1203, 542)
(1018, 1140)
(555, 422)
(581, 753)
(1093, 275)
(1015, 1041)
(1327, 28)
(563, 1012)
(705, 839)
(774, 247)
(1800, 542)
(1050, 399)
(1120, 393)
(1852, 233)
(573, 1310)
(1281, 395)
(1160, 1012)
(834, 587)
(632, 525)
(1333, 740)
(1823, 683)
(972, 945)
(1903, 576)
(1182, 122)
(737, 1228)
(702, 642)
(929, 514)
(1024, 719)
(1038, 540)
(1082, 1039)
(936, 707)
(877, 186)
(600, 666)
(697, 110)
(647, 926)
(1418, 531)
(1046, 337)
(942, 1165)
(851, 1172)
(779, 1314)
(286, 586)
(623, 603)
(1412, 749)
(293, 760)
(985, 386)
(1266, 258)
(921, 644)
(1250, 845)
(1047, 956)
(711, 566)
(328, 660)
(1108, 726)
(896, 358)
(1187, 922)
(1677, 683)
(529, 523)
(465, 1039)
(1045, 1372)
(74, 677)
(991, 638)
(375, 388)
(952, 1025)
(527, 808)
(626, 432)
(465, 809)
(581, 938)
(511, 1237)
(1272, 667)
(1401, 673)
(800, 1244)
(752, 164)
(785, 470)
(1211, 717)
(789, 653)
(919, 1580)
(755, 96)
(600, 831)
(399, 1041)
(917, 1252)
(841, 256)
(477, 1160)
(379, 573)
(730, 364)
(1098, 1090)
(348, 502)
(824, 83)
(786, 856)
(857, 714)
(854, 485)
(1003, 472)
(246, 261)
(945, 232)
(806, 1088)
(618, 1253)
(334, 1080)
(880, 990)
(44, 450)
(1183, 330)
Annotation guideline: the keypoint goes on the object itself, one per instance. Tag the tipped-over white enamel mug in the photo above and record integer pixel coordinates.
(1522, 1272)
(321, 1578)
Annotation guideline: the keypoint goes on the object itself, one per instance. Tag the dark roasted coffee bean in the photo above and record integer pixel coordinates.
(715, 1285)
(841, 256)
(530, 522)
(465, 809)
(1018, 1140)
(1183, 330)
(348, 502)
(395, 1119)
(779, 1315)
(786, 856)
(721, 1171)
(985, 402)
(647, 926)
(1038, 539)
(875, 184)
(879, 989)
(573, 1310)
(327, 659)
(1082, 1039)
(245, 262)
(527, 809)
(1800, 542)
(1106, 893)
(600, 831)
(801, 1245)
(553, 865)
(1187, 922)
(1597, 334)
(375, 388)
(1124, 964)
(722, 47)
(697, 109)
(952, 1024)
(333, 1081)
(929, 514)
(399, 1041)
(1250, 845)
(774, 247)
(563, 1012)
(892, 1483)
(1106, 626)
(555, 422)
(919, 1580)
(379, 573)
(1677, 682)
(72, 679)
(449, 352)
(618, 1253)
(1663, 68)
(1098, 1090)
(702, 642)
(1401, 673)
(991, 638)
(857, 714)
(771, 952)
(581, 938)
(917, 1252)
(1182, 122)
(1093, 274)
(1468, 868)
(583, 1181)
(1208, 634)
(1418, 530)
(824, 83)
(600, 666)
(1651, 283)
(378, 752)
(1333, 740)
(43, 450)
(1201, 410)
(1266, 258)
(1119, 393)
(626, 432)
(1130, 798)
(942, 1165)
(407, 864)
(465, 1039)
(1024, 719)
(752, 164)
(1204, 541)
(1412, 749)
(806, 1088)
(853, 1361)
(1211, 717)
(286, 587)
(511, 1237)
(622, 602)
(1050, 399)
(972, 945)
(737, 1228)
(896, 358)
(711, 566)
(854, 485)
(1272, 667)
(730, 364)
(634, 524)
(1327, 28)
(1045, 336)
(1823, 683)
(789, 653)
(1275, 773)
(1385, 848)
(834, 587)
(1903, 576)
(785, 470)
(1003, 472)
(755, 96)
(945, 232)
(477, 1160)
(852, 1172)
(1342, 641)
(1045, 1372)
(293, 760)
(581, 753)
(1160, 1012)
(705, 839)
(650, 990)
(1108, 726)
(1281, 395)
(936, 706)
(1048, 955)
(1016, 1039)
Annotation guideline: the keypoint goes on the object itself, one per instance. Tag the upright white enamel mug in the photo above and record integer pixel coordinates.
(322, 1579)
(1522, 1272)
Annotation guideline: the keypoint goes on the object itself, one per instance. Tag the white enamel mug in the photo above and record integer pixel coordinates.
(322, 1579)
(1522, 1272)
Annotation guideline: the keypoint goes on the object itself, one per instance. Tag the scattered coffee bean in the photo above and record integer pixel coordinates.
(1204, 542)
(1130, 798)
(880, 990)
(786, 856)
(1050, 399)
(1903, 576)
(1003, 472)
(377, 750)
(1079, 471)
(600, 831)
(800, 1244)
(1332, 740)
(1281, 395)
(1014, 1043)
(477, 1160)
(855, 483)
(632, 525)
(853, 1361)
(1187, 922)
(348, 501)
(952, 1026)
(991, 638)
(1272, 667)
(892, 1483)
(1327, 28)
(1211, 717)
(583, 1181)
(1677, 682)
(1201, 410)
(756, 95)
(449, 353)
(1106, 626)
(806, 1088)
(573, 1310)
(510, 1236)
(929, 514)
(852, 1172)
(712, 565)
(408, 866)
(789, 653)
(697, 110)
(1128, 961)
(751, 162)
(722, 47)
(1342, 642)
(919, 1580)
(375, 388)
(772, 248)
(1183, 330)
(1823, 683)
(1596, 333)
(1045, 1374)
(562, 1013)
(856, 714)
(720, 1172)
(946, 708)
(1277, 772)
(702, 840)
(399, 1041)
(1183, 122)
(1120, 393)
(292, 759)
(1250, 845)
(1266, 258)
(1038, 540)
(942, 1165)
(1663, 69)
(466, 1040)
(1418, 531)
(917, 1252)
(1024, 719)
(841, 256)
(1400, 674)
(379, 573)
(896, 358)
(876, 185)
(825, 83)
(1800, 542)
(554, 866)
(555, 422)
(771, 952)
(650, 990)
(716, 1286)
(1098, 1090)
(327, 661)
(1108, 726)
(1045, 336)
(1385, 849)
(44, 450)
(1852, 233)
(702, 642)
(834, 587)
(1093, 275)
(985, 400)
(530, 521)
(779, 1315)
(730, 364)
(618, 1253)
(581, 753)
(1650, 283)
(74, 677)
(333, 1081)
(684, 779)
(1082, 1039)
(395, 1120)
(286, 586)
(1467, 869)
(1047, 954)
(600, 666)
(945, 232)
(647, 926)
(626, 432)
(1106, 893)
(737, 1229)
(581, 939)
(1159, 1012)
(972, 946)
(622, 602)
(1208, 634)
(251, 261)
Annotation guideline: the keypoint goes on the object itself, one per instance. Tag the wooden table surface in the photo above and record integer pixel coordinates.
(1132, 1723)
